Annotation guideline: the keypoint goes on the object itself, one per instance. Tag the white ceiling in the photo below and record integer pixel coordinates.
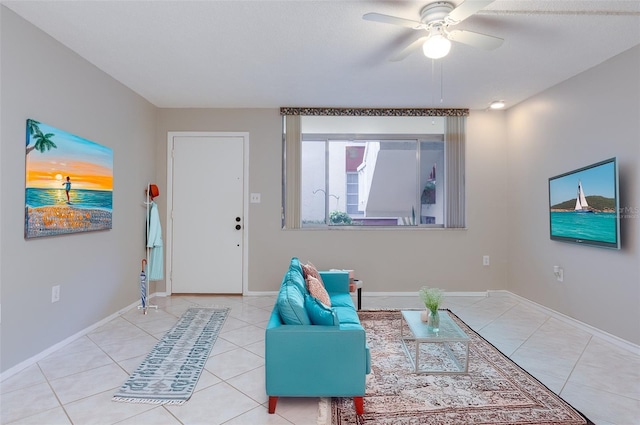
(263, 54)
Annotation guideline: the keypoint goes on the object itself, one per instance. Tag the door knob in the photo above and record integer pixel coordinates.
(237, 218)
(238, 227)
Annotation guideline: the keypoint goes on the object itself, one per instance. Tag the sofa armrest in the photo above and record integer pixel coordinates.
(274, 319)
(335, 281)
(312, 360)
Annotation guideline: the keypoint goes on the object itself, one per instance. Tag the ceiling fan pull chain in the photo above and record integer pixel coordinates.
(433, 85)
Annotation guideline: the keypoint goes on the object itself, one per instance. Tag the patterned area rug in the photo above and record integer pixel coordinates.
(496, 390)
(169, 374)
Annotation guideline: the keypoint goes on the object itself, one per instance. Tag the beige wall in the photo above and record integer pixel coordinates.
(98, 271)
(591, 117)
(390, 260)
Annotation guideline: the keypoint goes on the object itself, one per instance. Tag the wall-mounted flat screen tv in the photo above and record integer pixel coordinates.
(584, 205)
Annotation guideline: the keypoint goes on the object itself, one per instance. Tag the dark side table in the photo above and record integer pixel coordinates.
(357, 285)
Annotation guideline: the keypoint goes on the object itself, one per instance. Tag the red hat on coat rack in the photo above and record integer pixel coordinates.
(153, 191)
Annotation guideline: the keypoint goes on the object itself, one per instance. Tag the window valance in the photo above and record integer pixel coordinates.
(376, 112)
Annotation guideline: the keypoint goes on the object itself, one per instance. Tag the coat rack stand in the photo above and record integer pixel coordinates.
(144, 286)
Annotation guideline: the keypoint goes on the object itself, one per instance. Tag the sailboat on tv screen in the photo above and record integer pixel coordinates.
(581, 201)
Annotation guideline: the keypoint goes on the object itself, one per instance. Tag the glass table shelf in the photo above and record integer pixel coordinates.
(442, 352)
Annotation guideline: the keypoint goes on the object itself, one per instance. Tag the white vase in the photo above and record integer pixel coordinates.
(424, 315)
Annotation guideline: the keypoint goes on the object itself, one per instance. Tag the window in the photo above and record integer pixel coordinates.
(382, 182)
(390, 171)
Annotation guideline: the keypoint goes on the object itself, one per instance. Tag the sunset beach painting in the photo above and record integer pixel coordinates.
(68, 183)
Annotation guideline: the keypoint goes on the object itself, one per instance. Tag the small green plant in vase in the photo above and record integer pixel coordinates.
(431, 297)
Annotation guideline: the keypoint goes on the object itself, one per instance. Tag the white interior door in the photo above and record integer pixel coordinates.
(207, 214)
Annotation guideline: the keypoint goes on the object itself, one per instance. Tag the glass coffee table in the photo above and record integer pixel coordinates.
(442, 352)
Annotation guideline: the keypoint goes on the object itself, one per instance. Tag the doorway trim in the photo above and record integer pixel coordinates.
(245, 204)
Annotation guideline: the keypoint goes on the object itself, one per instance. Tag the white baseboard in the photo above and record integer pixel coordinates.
(33, 360)
(415, 294)
(617, 341)
(260, 293)
(380, 294)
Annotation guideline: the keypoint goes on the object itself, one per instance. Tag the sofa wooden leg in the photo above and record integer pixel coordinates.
(359, 403)
(272, 404)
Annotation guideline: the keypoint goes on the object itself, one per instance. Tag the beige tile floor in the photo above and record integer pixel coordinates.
(75, 384)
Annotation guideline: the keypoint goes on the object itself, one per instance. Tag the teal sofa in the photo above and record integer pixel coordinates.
(312, 350)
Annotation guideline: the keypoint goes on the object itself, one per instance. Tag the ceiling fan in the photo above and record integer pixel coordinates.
(436, 18)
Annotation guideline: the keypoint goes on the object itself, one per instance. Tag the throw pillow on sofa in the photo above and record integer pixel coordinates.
(310, 270)
(295, 275)
(319, 313)
(291, 306)
(317, 290)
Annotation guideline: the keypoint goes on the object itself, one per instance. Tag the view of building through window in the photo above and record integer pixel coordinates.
(390, 181)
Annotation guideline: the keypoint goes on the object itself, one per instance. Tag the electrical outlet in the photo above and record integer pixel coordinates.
(55, 294)
(485, 260)
(559, 273)
(254, 198)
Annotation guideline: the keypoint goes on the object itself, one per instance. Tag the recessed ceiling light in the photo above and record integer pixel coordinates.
(497, 104)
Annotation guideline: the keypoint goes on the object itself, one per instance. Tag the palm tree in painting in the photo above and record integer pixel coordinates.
(42, 141)
(33, 126)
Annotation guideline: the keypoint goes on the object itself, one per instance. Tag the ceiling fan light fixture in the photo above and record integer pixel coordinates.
(437, 46)
(497, 104)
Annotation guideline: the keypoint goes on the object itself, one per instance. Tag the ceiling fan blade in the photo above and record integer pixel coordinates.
(475, 39)
(386, 19)
(408, 50)
(466, 9)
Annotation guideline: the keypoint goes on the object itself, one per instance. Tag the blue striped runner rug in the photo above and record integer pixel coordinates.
(169, 374)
